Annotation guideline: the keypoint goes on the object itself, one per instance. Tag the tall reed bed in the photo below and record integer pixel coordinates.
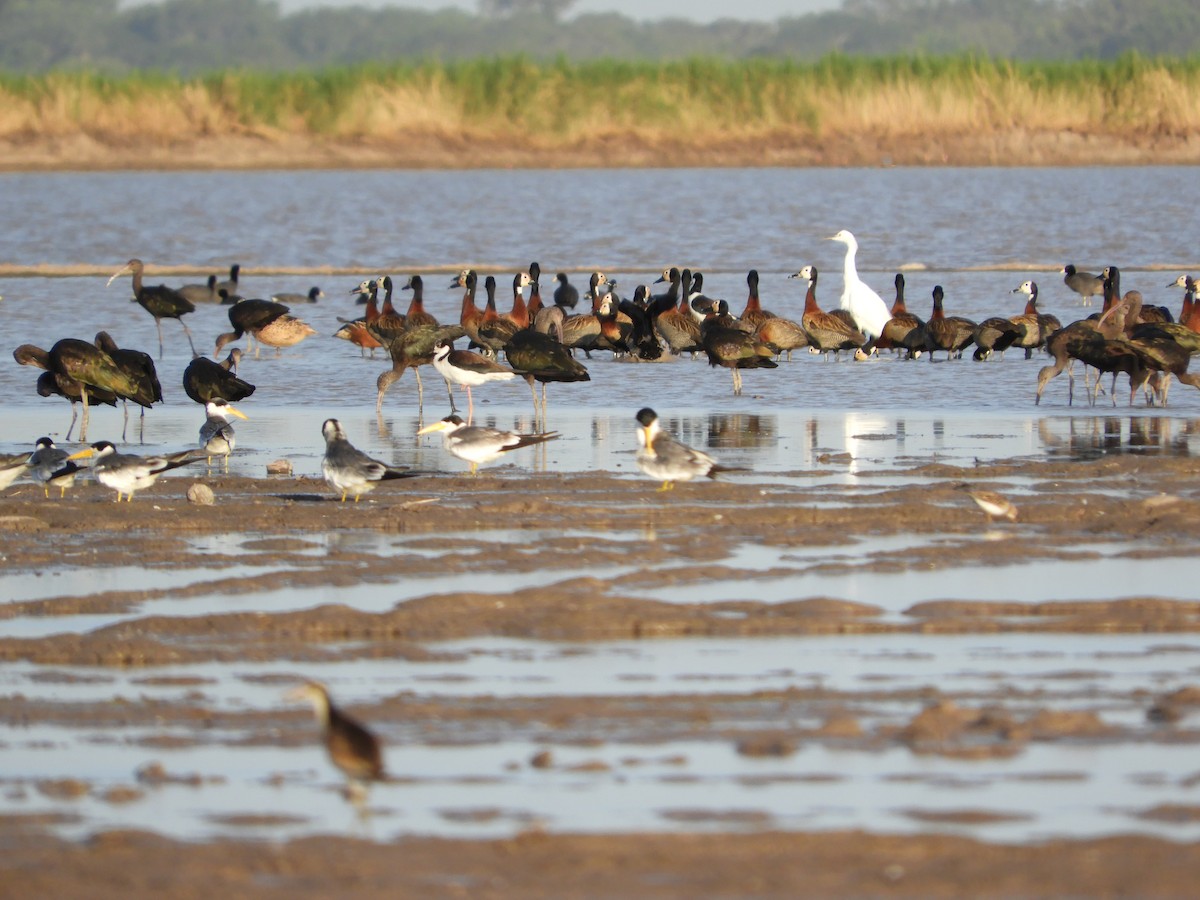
(561, 102)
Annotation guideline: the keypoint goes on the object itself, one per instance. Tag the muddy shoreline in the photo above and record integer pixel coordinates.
(1019, 147)
(1070, 507)
(653, 866)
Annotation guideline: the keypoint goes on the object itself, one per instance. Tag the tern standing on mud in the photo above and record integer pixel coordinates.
(125, 472)
(662, 457)
(348, 469)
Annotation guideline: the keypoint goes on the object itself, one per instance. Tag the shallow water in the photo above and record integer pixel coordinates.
(848, 429)
(486, 787)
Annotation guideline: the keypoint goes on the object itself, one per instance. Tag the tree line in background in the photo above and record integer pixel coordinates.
(192, 36)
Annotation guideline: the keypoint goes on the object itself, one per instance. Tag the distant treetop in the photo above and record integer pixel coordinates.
(191, 36)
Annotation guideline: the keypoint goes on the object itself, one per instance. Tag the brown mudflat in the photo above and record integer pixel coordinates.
(1068, 507)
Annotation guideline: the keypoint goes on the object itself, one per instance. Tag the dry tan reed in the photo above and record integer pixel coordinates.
(514, 100)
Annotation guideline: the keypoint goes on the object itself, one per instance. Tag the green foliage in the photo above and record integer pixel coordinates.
(194, 36)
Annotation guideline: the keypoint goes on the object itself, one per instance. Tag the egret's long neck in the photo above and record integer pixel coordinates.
(849, 270)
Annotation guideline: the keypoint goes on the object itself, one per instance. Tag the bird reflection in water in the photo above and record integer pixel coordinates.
(741, 431)
(1092, 437)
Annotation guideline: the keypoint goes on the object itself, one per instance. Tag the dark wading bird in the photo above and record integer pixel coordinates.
(139, 367)
(732, 348)
(410, 344)
(539, 357)
(1085, 284)
(159, 300)
(205, 380)
(81, 372)
(353, 749)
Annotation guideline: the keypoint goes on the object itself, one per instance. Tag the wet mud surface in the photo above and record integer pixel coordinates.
(582, 560)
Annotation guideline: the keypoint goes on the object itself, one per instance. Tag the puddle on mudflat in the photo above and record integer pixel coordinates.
(513, 668)
(807, 573)
(1047, 791)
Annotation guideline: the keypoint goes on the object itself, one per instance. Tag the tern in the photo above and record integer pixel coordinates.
(663, 458)
(216, 434)
(348, 469)
(12, 467)
(48, 463)
(478, 444)
(125, 472)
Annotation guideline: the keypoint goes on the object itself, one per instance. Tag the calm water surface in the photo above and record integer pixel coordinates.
(721, 220)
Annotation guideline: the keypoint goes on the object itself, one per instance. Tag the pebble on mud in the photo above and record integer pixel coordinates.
(120, 794)
(279, 467)
(63, 788)
(767, 745)
(200, 495)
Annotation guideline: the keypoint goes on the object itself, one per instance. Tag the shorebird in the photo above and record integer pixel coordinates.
(48, 461)
(216, 434)
(992, 504)
(159, 300)
(478, 444)
(125, 472)
(663, 458)
(469, 369)
(12, 467)
(348, 469)
(352, 748)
